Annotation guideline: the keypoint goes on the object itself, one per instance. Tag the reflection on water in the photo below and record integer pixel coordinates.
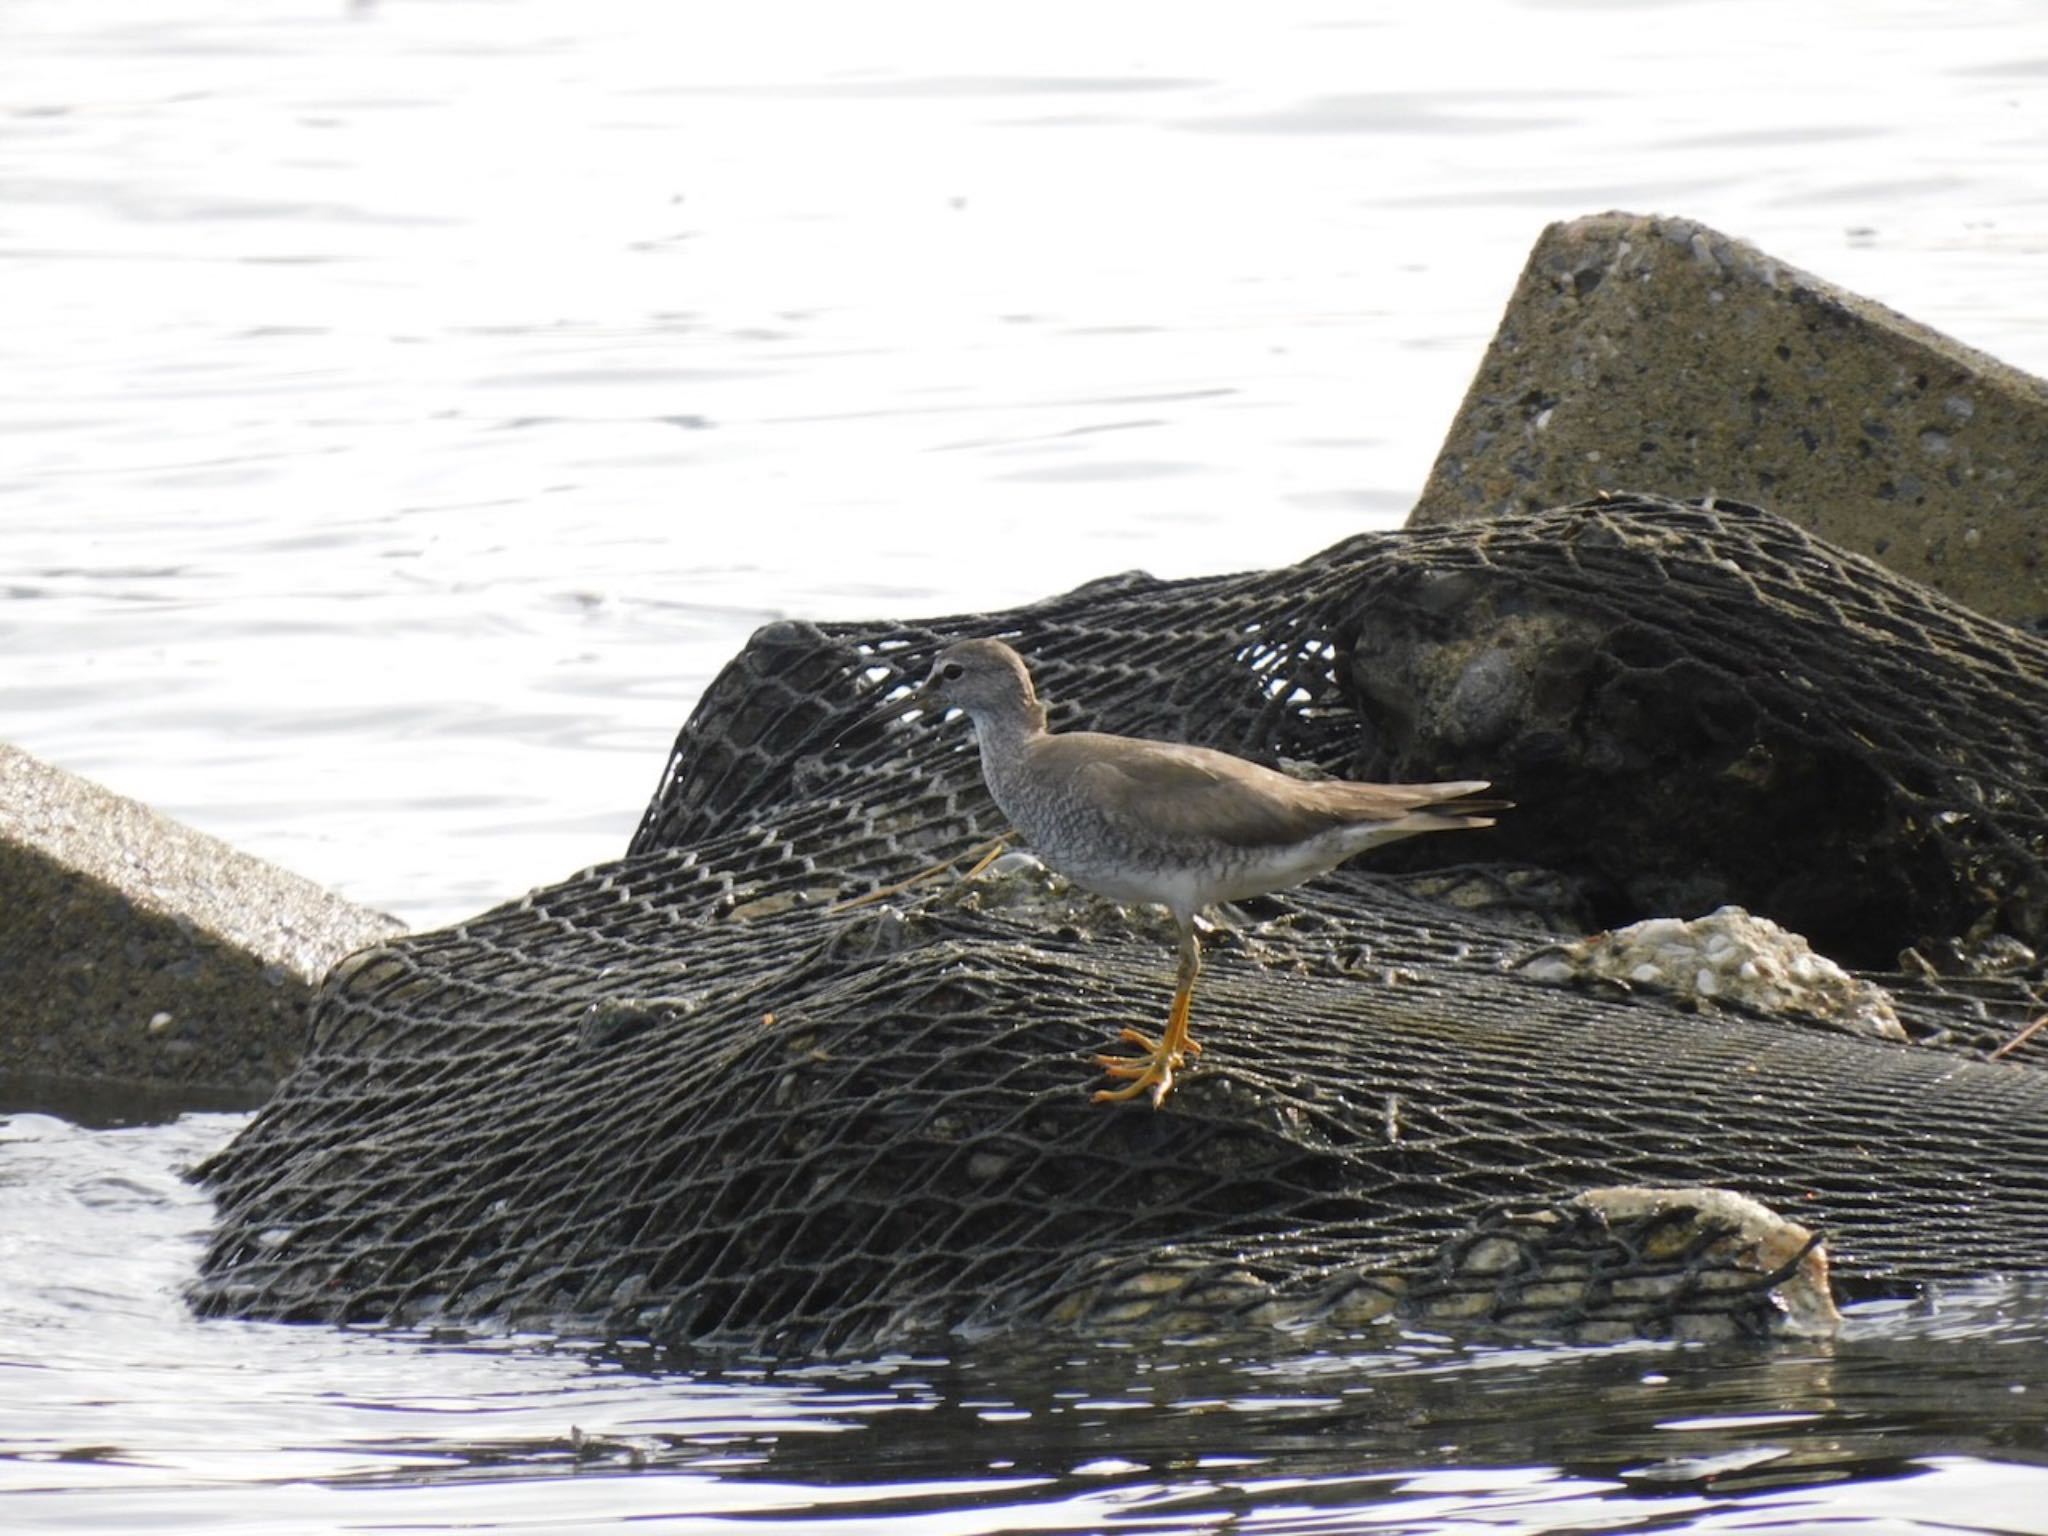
(119, 1409)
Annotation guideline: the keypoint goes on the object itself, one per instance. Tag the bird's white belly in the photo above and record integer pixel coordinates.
(1277, 870)
(1182, 889)
(1235, 875)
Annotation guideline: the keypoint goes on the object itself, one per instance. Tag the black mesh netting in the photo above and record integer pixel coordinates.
(681, 1096)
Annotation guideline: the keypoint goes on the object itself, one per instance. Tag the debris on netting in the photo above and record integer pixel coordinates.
(702, 1095)
(2019, 1038)
(1598, 1267)
(1629, 1263)
(1728, 956)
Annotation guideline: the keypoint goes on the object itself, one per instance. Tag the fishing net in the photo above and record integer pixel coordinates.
(689, 1096)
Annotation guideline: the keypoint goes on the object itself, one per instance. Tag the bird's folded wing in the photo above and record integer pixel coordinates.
(1175, 792)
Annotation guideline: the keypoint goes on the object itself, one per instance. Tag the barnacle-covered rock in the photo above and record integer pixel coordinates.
(1728, 956)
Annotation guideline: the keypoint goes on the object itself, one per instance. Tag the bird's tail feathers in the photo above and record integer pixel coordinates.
(1469, 810)
(1424, 807)
(1454, 820)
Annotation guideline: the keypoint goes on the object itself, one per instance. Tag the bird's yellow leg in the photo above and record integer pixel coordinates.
(988, 853)
(1166, 1055)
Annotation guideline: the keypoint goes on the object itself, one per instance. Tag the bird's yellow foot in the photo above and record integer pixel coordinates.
(1135, 1066)
(1153, 1071)
(1155, 1075)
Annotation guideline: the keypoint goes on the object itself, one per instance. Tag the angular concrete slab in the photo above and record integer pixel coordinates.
(1656, 354)
(134, 949)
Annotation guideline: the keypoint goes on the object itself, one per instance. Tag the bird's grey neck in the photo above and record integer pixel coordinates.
(1010, 726)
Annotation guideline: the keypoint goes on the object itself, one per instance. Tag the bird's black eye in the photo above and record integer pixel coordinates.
(952, 672)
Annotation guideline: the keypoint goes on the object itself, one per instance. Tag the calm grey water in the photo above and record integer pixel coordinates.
(405, 407)
(120, 1412)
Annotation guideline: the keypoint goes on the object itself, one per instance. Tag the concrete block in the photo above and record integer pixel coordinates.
(136, 950)
(1655, 354)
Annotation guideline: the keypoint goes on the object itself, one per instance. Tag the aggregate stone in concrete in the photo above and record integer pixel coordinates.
(136, 950)
(1655, 354)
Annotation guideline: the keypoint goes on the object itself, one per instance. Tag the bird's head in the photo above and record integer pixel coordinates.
(986, 679)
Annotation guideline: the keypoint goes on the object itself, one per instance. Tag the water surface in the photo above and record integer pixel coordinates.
(408, 406)
(119, 1411)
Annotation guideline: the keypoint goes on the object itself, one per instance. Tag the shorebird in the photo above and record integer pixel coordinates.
(1180, 826)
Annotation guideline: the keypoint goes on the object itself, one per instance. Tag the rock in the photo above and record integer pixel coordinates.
(136, 950)
(1657, 354)
(1697, 706)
